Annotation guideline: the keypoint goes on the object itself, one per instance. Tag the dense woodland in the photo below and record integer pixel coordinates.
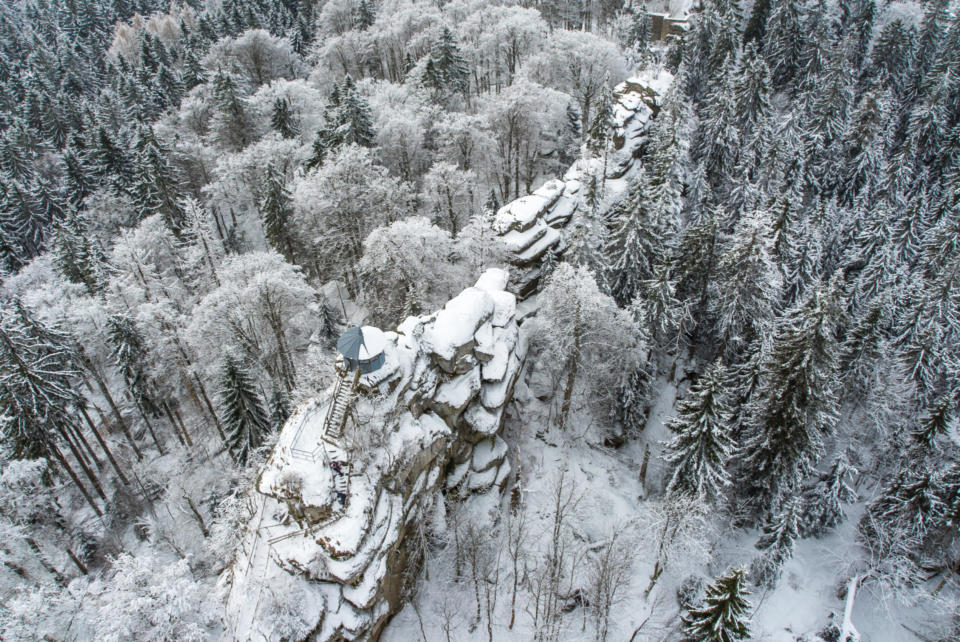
(189, 193)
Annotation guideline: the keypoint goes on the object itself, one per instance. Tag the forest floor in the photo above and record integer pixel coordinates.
(606, 482)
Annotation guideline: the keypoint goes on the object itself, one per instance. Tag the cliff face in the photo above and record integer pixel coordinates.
(335, 510)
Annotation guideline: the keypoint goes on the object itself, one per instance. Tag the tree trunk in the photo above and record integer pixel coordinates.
(83, 466)
(80, 446)
(643, 467)
(76, 560)
(113, 406)
(198, 516)
(103, 445)
(213, 413)
(73, 476)
(573, 364)
(173, 422)
(183, 426)
(153, 434)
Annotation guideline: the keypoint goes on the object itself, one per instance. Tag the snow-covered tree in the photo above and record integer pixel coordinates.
(580, 64)
(795, 404)
(698, 455)
(585, 333)
(241, 410)
(637, 245)
(152, 598)
(724, 613)
(347, 121)
(824, 500)
(337, 205)
(261, 308)
(780, 533)
(450, 192)
(748, 277)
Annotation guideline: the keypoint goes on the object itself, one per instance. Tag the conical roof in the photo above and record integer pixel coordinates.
(361, 343)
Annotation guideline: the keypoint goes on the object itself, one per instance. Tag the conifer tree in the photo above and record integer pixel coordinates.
(724, 613)
(347, 120)
(156, 186)
(449, 73)
(779, 535)
(365, 15)
(39, 395)
(749, 279)
(75, 255)
(276, 210)
(698, 455)
(281, 120)
(824, 500)
(900, 518)
(935, 421)
(795, 403)
(130, 358)
(241, 410)
(633, 400)
(112, 163)
(78, 179)
(231, 125)
(757, 24)
(636, 246)
(279, 409)
(662, 311)
(695, 263)
(330, 323)
(784, 41)
(598, 136)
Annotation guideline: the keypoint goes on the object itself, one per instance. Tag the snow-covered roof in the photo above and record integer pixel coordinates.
(373, 342)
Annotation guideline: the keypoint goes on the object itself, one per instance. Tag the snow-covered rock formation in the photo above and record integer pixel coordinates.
(534, 225)
(335, 508)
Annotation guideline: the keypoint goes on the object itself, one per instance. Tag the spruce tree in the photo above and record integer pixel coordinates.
(330, 323)
(131, 358)
(76, 256)
(662, 311)
(347, 120)
(824, 500)
(935, 421)
(156, 185)
(113, 164)
(241, 410)
(695, 263)
(637, 244)
(698, 455)
(900, 518)
(281, 119)
(784, 41)
(365, 15)
(779, 535)
(449, 71)
(757, 24)
(601, 129)
(724, 613)
(751, 91)
(276, 209)
(231, 125)
(749, 279)
(795, 404)
(633, 400)
(279, 409)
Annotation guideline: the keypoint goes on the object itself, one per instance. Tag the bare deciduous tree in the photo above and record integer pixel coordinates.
(609, 571)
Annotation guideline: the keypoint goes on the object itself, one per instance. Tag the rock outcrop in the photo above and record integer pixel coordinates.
(534, 225)
(334, 512)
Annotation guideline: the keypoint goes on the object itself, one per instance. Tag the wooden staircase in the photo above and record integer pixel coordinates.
(343, 397)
